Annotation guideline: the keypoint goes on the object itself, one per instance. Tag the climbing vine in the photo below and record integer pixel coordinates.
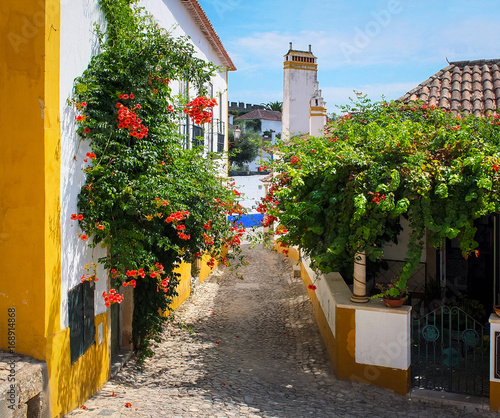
(150, 202)
(346, 193)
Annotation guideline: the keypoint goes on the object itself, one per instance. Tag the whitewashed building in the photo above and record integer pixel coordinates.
(304, 110)
(48, 43)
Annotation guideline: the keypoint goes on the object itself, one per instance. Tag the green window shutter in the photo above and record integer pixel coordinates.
(88, 315)
(75, 315)
(81, 319)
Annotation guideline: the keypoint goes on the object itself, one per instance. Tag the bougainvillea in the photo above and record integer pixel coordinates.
(146, 199)
(346, 193)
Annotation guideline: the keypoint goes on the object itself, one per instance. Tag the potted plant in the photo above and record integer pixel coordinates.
(393, 294)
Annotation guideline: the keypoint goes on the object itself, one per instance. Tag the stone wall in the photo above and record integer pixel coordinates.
(23, 387)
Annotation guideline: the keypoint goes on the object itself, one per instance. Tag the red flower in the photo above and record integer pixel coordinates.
(294, 160)
(86, 130)
(495, 168)
(312, 287)
(84, 237)
(153, 275)
(74, 217)
(171, 108)
(80, 217)
(101, 227)
(125, 96)
(132, 96)
(128, 405)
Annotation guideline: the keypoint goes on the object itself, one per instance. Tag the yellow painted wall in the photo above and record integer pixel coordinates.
(30, 236)
(205, 269)
(184, 287)
(347, 368)
(324, 327)
(28, 205)
(71, 385)
(495, 396)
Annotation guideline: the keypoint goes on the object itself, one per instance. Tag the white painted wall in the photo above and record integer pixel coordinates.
(173, 16)
(398, 252)
(271, 125)
(298, 88)
(78, 45)
(381, 334)
(382, 338)
(325, 284)
(252, 188)
(317, 125)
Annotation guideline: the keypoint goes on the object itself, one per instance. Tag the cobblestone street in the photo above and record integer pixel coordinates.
(248, 348)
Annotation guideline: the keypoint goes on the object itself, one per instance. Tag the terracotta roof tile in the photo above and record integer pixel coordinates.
(462, 86)
(200, 18)
(262, 114)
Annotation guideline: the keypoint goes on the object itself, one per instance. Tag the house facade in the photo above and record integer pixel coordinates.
(58, 319)
(444, 348)
(469, 87)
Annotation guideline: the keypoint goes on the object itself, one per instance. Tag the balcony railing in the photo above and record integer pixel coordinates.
(218, 136)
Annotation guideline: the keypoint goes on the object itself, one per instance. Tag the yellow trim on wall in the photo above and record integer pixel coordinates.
(342, 347)
(495, 396)
(22, 188)
(71, 384)
(293, 65)
(184, 287)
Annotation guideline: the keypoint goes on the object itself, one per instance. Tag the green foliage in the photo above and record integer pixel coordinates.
(393, 291)
(345, 193)
(134, 184)
(276, 105)
(245, 150)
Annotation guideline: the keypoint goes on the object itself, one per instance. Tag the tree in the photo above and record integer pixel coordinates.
(245, 149)
(345, 194)
(277, 105)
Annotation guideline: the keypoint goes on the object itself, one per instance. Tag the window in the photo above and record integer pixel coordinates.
(184, 127)
(81, 319)
(198, 138)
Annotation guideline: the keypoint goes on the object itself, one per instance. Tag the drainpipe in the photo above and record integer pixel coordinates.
(359, 288)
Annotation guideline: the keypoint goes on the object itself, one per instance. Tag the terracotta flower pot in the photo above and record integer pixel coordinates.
(497, 309)
(394, 303)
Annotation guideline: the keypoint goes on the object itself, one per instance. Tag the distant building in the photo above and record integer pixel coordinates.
(270, 120)
(304, 110)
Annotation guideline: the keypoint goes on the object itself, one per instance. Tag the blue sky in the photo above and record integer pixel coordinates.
(378, 47)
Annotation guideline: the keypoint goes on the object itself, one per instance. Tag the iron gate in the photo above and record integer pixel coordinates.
(450, 352)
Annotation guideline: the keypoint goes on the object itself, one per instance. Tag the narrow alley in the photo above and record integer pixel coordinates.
(248, 348)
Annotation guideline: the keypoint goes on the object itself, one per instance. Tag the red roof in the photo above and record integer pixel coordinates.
(262, 114)
(200, 18)
(462, 86)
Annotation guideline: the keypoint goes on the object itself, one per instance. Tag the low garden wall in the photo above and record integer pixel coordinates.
(367, 342)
